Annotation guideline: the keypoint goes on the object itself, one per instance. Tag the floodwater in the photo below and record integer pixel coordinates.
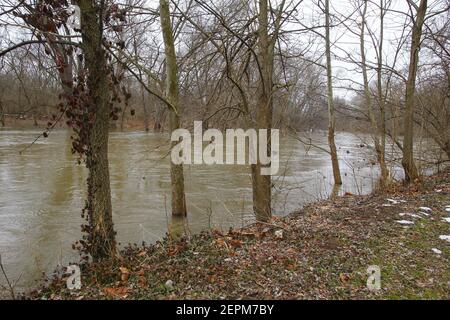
(42, 192)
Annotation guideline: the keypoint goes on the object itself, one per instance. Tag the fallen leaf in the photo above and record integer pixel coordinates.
(344, 277)
(119, 292)
(236, 243)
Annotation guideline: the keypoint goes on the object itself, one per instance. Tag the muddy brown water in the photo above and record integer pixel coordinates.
(42, 192)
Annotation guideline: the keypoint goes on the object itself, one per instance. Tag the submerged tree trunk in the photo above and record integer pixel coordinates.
(176, 171)
(145, 110)
(331, 118)
(102, 244)
(408, 148)
(2, 114)
(262, 186)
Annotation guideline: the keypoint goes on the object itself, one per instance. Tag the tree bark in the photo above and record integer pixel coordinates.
(331, 118)
(262, 186)
(2, 114)
(379, 145)
(382, 102)
(408, 163)
(176, 171)
(102, 244)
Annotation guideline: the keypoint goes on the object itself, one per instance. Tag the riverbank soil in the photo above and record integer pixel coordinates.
(320, 252)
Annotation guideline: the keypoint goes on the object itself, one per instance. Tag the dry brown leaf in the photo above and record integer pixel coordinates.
(344, 277)
(119, 292)
(236, 243)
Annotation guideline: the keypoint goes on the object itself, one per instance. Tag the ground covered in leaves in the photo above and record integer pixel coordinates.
(320, 252)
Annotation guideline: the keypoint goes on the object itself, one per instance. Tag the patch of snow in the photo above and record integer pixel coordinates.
(393, 201)
(446, 220)
(410, 215)
(445, 238)
(447, 209)
(169, 285)
(425, 214)
(437, 251)
(405, 222)
(279, 234)
(426, 209)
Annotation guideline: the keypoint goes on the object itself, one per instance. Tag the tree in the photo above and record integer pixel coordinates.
(331, 117)
(408, 163)
(101, 235)
(172, 95)
(379, 130)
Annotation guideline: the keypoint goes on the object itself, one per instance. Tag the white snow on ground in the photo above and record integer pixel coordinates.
(445, 238)
(393, 201)
(425, 214)
(426, 209)
(406, 222)
(446, 220)
(410, 215)
(437, 251)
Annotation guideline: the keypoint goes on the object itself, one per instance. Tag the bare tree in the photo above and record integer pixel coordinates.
(176, 171)
(408, 163)
(331, 117)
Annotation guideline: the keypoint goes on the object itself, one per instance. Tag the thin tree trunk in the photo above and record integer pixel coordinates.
(379, 146)
(144, 108)
(408, 164)
(2, 114)
(382, 105)
(262, 187)
(331, 118)
(176, 171)
(102, 242)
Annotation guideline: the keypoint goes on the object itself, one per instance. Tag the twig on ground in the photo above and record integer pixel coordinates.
(10, 286)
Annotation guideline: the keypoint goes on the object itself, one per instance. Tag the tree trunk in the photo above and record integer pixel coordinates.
(262, 186)
(144, 107)
(176, 171)
(408, 148)
(382, 105)
(2, 115)
(379, 146)
(331, 118)
(102, 244)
